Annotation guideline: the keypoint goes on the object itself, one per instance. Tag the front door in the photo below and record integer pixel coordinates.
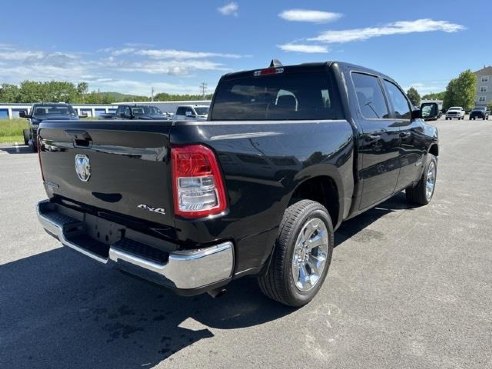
(378, 143)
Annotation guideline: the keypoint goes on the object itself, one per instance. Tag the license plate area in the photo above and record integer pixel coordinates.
(102, 230)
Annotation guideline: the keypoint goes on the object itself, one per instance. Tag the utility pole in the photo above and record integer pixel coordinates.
(203, 88)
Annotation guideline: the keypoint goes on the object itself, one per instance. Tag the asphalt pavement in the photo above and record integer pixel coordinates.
(408, 288)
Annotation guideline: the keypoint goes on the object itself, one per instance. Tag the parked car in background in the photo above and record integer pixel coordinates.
(193, 112)
(143, 112)
(479, 112)
(455, 112)
(45, 111)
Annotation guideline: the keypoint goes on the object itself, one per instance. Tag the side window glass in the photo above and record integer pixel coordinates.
(180, 111)
(399, 101)
(370, 96)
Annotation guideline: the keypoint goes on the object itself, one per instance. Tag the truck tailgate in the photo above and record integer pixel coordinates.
(121, 167)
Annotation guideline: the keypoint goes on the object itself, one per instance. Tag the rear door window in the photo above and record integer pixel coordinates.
(286, 95)
(370, 96)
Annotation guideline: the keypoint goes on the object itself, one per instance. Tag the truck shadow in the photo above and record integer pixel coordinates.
(60, 310)
(20, 149)
(354, 226)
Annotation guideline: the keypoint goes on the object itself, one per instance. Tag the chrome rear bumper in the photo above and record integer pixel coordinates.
(183, 270)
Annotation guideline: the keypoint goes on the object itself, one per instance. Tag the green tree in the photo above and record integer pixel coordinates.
(163, 96)
(414, 96)
(434, 96)
(461, 91)
(9, 93)
(82, 90)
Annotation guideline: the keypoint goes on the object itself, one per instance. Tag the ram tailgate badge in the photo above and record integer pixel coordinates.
(161, 211)
(82, 167)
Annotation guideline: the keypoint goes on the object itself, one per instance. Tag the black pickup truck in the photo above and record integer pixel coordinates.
(286, 155)
(45, 111)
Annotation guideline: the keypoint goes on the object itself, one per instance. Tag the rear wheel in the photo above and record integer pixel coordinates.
(302, 255)
(422, 193)
(25, 133)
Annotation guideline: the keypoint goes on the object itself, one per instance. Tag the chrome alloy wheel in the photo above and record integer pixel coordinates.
(310, 254)
(430, 183)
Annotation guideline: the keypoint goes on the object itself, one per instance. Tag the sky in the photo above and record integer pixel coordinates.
(175, 46)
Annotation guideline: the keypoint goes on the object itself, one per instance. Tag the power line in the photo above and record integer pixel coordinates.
(203, 88)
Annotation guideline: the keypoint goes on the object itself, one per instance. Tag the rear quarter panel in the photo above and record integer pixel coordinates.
(263, 163)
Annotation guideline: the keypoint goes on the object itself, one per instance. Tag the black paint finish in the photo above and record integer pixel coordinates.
(263, 163)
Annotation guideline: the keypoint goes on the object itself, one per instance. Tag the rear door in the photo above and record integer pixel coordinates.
(117, 166)
(378, 143)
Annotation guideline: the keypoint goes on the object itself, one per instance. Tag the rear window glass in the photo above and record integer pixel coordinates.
(50, 110)
(283, 96)
(370, 96)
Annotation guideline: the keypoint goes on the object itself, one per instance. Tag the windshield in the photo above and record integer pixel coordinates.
(479, 109)
(305, 94)
(146, 110)
(52, 110)
(202, 110)
(152, 110)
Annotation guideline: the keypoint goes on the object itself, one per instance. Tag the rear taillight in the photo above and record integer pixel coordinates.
(198, 187)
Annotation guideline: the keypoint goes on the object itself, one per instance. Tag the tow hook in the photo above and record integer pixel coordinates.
(217, 292)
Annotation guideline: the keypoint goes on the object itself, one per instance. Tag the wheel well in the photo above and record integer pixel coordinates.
(323, 190)
(434, 150)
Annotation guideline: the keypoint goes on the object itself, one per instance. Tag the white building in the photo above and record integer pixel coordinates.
(484, 86)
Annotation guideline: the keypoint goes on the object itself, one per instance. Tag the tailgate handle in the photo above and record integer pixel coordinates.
(80, 138)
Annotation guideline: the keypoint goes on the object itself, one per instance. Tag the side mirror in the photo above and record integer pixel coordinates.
(429, 111)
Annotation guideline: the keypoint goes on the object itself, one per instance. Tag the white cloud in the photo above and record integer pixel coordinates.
(130, 69)
(12, 55)
(300, 48)
(402, 27)
(314, 16)
(143, 87)
(229, 9)
(171, 67)
(181, 54)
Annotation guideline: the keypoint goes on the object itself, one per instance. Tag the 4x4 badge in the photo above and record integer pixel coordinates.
(82, 167)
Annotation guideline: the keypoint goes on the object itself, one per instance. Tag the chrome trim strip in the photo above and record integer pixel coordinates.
(58, 230)
(185, 269)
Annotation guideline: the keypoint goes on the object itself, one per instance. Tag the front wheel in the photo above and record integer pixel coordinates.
(301, 256)
(422, 193)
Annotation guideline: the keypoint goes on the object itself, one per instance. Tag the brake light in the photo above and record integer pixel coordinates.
(198, 187)
(268, 71)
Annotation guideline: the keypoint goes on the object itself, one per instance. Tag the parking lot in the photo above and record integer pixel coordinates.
(408, 288)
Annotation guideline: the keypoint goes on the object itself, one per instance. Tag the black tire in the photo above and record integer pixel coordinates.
(25, 133)
(418, 195)
(34, 147)
(278, 282)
